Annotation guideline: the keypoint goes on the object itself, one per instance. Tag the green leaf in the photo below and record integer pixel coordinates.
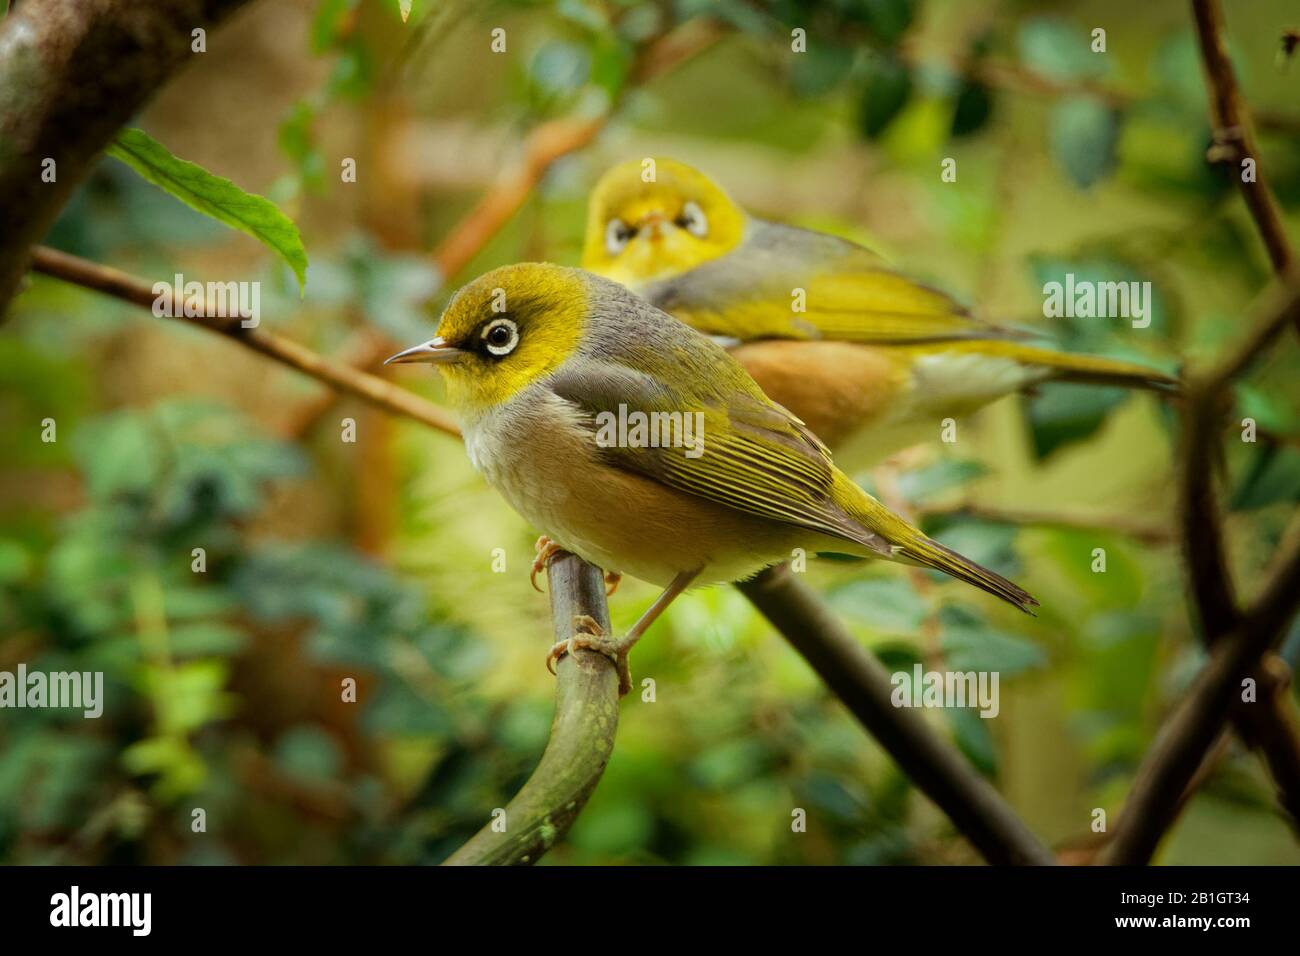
(971, 732)
(1273, 476)
(1084, 134)
(213, 196)
(972, 109)
(1272, 412)
(889, 86)
(925, 483)
(1059, 49)
(885, 604)
(970, 644)
(887, 19)
(820, 69)
(1063, 413)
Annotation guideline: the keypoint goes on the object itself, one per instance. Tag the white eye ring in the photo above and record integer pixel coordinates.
(505, 347)
(617, 233)
(693, 220)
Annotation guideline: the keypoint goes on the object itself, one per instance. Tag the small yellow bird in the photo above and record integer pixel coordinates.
(870, 360)
(638, 443)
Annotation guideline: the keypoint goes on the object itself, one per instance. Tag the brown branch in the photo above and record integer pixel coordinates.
(344, 378)
(547, 143)
(1189, 734)
(1239, 642)
(72, 73)
(582, 733)
(1234, 141)
(863, 684)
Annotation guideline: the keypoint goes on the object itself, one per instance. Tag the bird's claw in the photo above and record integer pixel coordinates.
(546, 549)
(590, 636)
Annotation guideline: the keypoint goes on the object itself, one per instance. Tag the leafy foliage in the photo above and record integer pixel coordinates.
(213, 196)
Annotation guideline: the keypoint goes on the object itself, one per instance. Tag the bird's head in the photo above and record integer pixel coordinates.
(505, 330)
(654, 218)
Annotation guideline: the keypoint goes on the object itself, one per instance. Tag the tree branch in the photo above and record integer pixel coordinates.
(1240, 643)
(72, 73)
(582, 733)
(859, 680)
(1233, 139)
(344, 378)
(1237, 640)
(1190, 733)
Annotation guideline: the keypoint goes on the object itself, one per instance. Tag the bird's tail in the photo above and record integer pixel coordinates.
(1069, 367)
(910, 545)
(929, 553)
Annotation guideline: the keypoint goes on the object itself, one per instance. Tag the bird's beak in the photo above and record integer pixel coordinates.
(652, 224)
(434, 351)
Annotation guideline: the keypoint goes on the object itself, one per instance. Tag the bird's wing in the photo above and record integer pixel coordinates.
(756, 457)
(783, 282)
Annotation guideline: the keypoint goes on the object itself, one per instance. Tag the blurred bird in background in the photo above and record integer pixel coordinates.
(871, 360)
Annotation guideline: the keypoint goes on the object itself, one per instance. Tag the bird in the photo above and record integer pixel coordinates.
(871, 360)
(639, 443)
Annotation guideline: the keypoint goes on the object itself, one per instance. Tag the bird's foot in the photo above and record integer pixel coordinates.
(546, 549)
(612, 580)
(590, 636)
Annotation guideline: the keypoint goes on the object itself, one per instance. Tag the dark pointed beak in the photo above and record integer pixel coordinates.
(434, 351)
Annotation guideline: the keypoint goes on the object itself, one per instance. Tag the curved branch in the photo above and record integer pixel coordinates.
(72, 73)
(582, 733)
(859, 680)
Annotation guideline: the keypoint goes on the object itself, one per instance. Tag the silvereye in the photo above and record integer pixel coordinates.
(871, 360)
(555, 374)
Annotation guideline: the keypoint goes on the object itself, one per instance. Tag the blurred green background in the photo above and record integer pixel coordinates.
(374, 559)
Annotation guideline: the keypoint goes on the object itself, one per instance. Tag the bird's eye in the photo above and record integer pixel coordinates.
(617, 233)
(693, 221)
(500, 336)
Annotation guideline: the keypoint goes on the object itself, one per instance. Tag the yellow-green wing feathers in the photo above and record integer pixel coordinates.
(757, 457)
(782, 282)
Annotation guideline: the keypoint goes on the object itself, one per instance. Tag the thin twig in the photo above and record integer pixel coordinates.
(344, 378)
(1233, 139)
